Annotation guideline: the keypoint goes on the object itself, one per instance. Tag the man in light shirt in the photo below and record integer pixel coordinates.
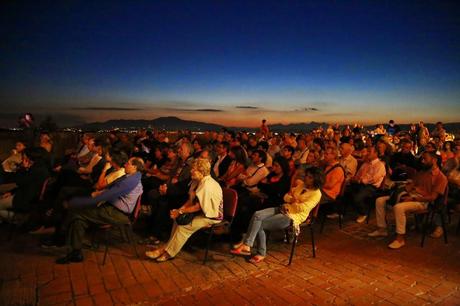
(256, 172)
(347, 161)
(366, 182)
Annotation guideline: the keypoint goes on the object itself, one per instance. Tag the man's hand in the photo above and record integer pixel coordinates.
(96, 193)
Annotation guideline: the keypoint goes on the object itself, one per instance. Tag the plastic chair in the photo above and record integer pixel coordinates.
(126, 229)
(309, 222)
(230, 204)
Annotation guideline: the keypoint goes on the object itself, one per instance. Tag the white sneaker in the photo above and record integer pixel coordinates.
(332, 216)
(396, 245)
(378, 233)
(361, 219)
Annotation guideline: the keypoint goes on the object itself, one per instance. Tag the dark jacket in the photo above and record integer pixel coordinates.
(275, 191)
(223, 166)
(30, 183)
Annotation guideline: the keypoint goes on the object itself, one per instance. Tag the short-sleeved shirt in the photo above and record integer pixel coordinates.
(428, 182)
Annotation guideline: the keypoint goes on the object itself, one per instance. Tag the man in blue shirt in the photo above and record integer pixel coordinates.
(110, 206)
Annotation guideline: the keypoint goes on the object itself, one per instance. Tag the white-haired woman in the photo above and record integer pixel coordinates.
(205, 201)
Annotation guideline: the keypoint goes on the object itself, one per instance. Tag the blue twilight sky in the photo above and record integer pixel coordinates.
(231, 62)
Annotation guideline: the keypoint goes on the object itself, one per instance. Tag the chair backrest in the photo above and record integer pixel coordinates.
(314, 212)
(137, 209)
(441, 200)
(230, 203)
(342, 188)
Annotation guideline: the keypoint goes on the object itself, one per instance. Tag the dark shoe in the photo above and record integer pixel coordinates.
(74, 256)
(52, 242)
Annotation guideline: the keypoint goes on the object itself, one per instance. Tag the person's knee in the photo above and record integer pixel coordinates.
(258, 216)
(381, 201)
(399, 208)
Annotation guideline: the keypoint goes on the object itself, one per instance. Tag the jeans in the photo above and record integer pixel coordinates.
(266, 219)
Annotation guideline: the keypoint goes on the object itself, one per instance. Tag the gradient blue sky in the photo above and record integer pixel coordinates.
(232, 62)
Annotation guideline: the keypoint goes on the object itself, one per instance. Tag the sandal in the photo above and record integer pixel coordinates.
(257, 259)
(240, 251)
(238, 245)
(164, 257)
(155, 254)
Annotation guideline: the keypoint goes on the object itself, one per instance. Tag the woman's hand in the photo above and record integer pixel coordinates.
(174, 214)
(5, 195)
(107, 166)
(284, 209)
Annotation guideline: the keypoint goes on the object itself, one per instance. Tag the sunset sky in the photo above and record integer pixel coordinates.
(231, 62)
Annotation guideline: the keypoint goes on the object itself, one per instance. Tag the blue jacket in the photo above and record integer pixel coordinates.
(112, 195)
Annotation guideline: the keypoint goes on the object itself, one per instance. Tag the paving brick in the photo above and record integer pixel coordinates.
(84, 301)
(120, 296)
(102, 299)
(58, 299)
(349, 269)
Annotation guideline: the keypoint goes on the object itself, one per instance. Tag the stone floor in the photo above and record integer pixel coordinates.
(349, 269)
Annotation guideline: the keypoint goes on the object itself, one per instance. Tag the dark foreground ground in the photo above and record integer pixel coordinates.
(350, 269)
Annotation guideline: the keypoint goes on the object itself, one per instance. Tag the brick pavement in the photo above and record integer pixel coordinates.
(350, 269)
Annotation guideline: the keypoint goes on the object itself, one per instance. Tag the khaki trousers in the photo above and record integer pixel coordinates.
(400, 211)
(181, 233)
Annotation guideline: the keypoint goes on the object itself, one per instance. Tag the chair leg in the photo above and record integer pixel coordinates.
(207, 246)
(444, 229)
(106, 251)
(11, 225)
(369, 208)
(340, 221)
(323, 220)
(425, 226)
(458, 227)
(130, 233)
(294, 242)
(313, 241)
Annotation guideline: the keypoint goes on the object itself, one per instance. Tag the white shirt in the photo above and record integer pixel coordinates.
(372, 173)
(254, 175)
(210, 196)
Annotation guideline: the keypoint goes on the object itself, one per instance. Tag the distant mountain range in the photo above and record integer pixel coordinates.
(166, 123)
(174, 123)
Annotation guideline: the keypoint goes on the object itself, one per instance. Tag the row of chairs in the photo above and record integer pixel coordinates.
(230, 205)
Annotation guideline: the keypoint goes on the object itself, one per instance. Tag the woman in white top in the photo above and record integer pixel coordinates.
(205, 201)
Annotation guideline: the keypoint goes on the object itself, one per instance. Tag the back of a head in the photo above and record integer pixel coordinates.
(138, 163)
(118, 157)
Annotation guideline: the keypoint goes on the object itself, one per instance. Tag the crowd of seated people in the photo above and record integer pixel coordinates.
(279, 179)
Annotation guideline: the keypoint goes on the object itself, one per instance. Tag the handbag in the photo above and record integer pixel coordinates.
(185, 219)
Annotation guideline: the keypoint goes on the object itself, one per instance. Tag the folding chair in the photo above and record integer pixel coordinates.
(14, 218)
(437, 207)
(339, 203)
(126, 230)
(309, 222)
(230, 204)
